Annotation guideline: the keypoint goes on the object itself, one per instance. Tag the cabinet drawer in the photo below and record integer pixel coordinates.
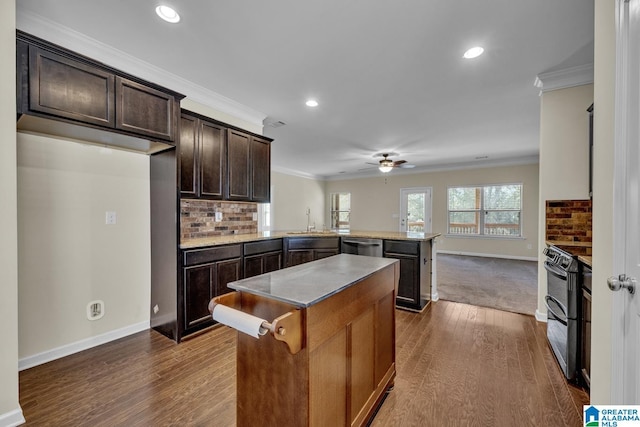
(261, 247)
(314, 243)
(218, 253)
(401, 247)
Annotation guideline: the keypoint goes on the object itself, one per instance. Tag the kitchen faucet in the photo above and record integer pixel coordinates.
(309, 226)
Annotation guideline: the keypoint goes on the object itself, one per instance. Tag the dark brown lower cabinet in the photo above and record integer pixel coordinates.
(262, 257)
(305, 249)
(206, 273)
(414, 288)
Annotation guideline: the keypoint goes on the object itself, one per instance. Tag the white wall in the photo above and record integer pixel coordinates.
(291, 196)
(68, 256)
(564, 157)
(604, 89)
(375, 201)
(10, 413)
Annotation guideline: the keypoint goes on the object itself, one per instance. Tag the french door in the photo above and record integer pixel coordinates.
(415, 209)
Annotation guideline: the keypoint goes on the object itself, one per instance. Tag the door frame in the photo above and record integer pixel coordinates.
(624, 108)
(428, 205)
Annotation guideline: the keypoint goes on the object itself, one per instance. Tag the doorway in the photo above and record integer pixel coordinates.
(415, 210)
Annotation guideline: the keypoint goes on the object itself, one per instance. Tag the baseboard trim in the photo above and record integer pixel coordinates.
(541, 317)
(520, 258)
(78, 346)
(12, 418)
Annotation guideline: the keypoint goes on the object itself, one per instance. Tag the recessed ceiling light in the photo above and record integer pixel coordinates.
(168, 14)
(312, 103)
(474, 52)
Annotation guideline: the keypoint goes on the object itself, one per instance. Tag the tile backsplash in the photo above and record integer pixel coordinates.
(197, 218)
(568, 221)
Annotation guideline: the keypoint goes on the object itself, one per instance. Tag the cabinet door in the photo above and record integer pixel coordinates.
(238, 145)
(325, 253)
(212, 160)
(144, 110)
(227, 271)
(272, 262)
(188, 156)
(299, 256)
(199, 284)
(253, 265)
(70, 89)
(409, 284)
(260, 170)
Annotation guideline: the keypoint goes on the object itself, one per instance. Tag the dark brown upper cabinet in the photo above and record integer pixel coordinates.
(144, 111)
(238, 148)
(202, 158)
(260, 170)
(221, 162)
(66, 88)
(60, 85)
(249, 167)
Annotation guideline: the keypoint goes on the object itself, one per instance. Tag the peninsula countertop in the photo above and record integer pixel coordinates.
(307, 284)
(267, 235)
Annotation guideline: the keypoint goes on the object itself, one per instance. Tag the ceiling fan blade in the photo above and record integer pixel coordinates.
(406, 166)
(398, 162)
(374, 164)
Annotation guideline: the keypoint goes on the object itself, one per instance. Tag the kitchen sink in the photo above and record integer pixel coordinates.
(314, 232)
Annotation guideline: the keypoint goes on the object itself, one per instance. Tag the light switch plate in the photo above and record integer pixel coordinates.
(110, 218)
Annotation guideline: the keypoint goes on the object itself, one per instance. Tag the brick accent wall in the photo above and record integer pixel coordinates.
(197, 218)
(569, 221)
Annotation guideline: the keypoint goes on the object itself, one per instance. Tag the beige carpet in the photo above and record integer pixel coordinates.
(509, 285)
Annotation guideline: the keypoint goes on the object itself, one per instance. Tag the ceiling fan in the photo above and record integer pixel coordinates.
(386, 164)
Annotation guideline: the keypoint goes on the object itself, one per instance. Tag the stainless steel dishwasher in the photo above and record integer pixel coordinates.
(361, 246)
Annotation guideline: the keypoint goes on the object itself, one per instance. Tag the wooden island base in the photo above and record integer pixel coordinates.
(345, 365)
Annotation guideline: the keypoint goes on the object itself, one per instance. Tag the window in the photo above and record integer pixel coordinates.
(340, 210)
(264, 217)
(492, 210)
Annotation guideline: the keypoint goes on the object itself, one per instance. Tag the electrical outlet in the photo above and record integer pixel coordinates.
(529, 246)
(218, 216)
(255, 216)
(110, 218)
(156, 309)
(95, 310)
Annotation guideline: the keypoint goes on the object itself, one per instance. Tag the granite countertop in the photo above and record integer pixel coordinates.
(307, 284)
(242, 238)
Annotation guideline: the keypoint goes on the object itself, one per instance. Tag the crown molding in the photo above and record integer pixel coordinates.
(64, 36)
(293, 172)
(565, 78)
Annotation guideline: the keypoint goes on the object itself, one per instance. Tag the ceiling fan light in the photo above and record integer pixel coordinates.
(385, 166)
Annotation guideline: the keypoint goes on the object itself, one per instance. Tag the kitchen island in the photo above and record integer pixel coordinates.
(337, 320)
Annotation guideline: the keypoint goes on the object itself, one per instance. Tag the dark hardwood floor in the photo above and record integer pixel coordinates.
(457, 365)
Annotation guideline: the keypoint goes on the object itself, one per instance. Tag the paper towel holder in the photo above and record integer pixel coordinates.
(286, 328)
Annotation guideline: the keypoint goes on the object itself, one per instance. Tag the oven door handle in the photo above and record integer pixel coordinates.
(555, 271)
(558, 318)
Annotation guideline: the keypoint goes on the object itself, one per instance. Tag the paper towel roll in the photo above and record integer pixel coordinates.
(243, 322)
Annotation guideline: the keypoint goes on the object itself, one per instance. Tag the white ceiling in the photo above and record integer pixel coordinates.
(389, 75)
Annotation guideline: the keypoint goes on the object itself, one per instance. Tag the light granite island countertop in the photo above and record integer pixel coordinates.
(307, 284)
